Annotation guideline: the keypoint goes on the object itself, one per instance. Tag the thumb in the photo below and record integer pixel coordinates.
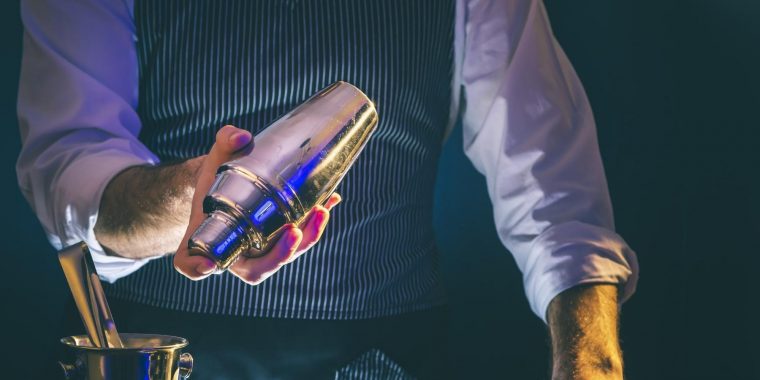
(229, 140)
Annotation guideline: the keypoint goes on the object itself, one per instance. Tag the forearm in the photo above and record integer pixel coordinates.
(583, 323)
(144, 211)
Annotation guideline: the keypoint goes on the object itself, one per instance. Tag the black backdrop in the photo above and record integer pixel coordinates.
(675, 90)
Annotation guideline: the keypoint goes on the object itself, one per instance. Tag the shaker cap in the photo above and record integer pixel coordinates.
(220, 237)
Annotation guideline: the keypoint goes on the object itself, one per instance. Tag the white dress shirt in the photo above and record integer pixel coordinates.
(528, 128)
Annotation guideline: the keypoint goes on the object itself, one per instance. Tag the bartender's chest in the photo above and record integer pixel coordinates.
(207, 63)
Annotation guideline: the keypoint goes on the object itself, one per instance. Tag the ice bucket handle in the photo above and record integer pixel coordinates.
(71, 371)
(185, 365)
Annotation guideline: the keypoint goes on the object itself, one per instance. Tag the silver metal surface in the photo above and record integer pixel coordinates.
(143, 357)
(104, 354)
(185, 365)
(296, 163)
(88, 295)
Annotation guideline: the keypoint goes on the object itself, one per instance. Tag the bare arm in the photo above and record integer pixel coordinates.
(145, 210)
(583, 323)
(150, 211)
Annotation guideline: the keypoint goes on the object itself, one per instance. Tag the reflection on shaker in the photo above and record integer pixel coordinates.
(297, 163)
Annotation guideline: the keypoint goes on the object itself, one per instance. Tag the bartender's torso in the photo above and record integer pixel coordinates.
(204, 64)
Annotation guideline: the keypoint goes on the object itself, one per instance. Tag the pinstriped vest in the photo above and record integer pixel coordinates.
(204, 64)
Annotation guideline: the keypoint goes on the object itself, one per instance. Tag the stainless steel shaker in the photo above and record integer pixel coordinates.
(297, 163)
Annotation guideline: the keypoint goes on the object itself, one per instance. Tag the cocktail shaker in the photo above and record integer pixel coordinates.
(297, 163)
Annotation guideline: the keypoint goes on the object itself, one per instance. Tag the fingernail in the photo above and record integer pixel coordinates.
(334, 201)
(237, 136)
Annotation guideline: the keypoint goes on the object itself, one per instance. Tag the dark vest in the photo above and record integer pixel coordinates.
(204, 64)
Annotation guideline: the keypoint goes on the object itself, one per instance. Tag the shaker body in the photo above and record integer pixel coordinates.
(297, 163)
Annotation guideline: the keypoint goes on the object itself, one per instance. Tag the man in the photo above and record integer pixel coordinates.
(119, 102)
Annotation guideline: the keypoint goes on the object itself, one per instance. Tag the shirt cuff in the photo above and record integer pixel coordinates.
(576, 253)
(79, 193)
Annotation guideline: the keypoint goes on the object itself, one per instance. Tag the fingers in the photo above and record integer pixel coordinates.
(228, 141)
(315, 225)
(312, 228)
(254, 270)
(333, 201)
(193, 267)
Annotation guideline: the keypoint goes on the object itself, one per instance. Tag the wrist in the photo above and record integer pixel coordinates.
(144, 210)
(588, 364)
(583, 323)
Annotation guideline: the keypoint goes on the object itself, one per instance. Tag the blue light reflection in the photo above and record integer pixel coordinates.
(231, 238)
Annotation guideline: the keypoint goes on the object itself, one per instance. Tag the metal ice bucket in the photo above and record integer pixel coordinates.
(144, 357)
(104, 353)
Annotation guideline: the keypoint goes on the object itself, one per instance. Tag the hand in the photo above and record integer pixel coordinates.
(291, 244)
(583, 323)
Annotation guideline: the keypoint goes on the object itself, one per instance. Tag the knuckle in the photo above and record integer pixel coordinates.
(181, 267)
(305, 248)
(177, 265)
(185, 273)
(308, 240)
(257, 277)
(249, 276)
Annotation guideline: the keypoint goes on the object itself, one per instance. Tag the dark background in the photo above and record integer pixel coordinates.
(676, 90)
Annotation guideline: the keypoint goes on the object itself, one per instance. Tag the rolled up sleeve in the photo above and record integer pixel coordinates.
(529, 129)
(77, 116)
